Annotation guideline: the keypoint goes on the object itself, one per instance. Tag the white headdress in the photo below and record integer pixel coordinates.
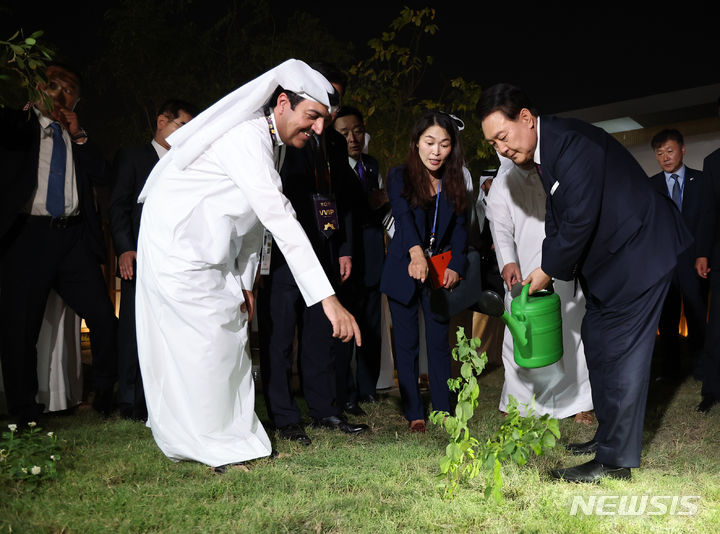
(190, 141)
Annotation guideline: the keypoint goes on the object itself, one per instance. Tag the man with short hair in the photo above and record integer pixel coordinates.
(206, 203)
(707, 266)
(130, 170)
(608, 229)
(315, 180)
(51, 238)
(362, 292)
(686, 187)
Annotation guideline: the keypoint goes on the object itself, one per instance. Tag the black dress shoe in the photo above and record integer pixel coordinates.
(294, 432)
(589, 447)
(335, 422)
(707, 402)
(353, 408)
(104, 402)
(591, 471)
(368, 399)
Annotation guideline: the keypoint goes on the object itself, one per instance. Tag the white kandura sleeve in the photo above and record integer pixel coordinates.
(502, 226)
(245, 154)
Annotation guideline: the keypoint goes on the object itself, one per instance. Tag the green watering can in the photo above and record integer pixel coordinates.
(534, 322)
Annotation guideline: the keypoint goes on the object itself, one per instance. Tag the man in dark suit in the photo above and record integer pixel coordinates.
(131, 168)
(50, 238)
(708, 251)
(606, 227)
(362, 291)
(686, 187)
(315, 180)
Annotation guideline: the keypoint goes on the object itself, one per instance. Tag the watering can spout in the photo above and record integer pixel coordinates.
(534, 323)
(518, 330)
(492, 304)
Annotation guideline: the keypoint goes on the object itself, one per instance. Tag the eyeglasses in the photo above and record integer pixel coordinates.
(175, 121)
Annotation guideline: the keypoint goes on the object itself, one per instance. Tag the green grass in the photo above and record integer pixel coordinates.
(114, 479)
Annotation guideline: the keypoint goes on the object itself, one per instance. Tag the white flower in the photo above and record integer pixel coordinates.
(12, 428)
(23, 470)
(35, 470)
(32, 424)
(52, 457)
(51, 434)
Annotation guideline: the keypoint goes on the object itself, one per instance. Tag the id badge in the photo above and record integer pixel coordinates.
(326, 214)
(266, 253)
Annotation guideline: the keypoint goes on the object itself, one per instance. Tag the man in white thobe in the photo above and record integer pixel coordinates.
(515, 208)
(206, 203)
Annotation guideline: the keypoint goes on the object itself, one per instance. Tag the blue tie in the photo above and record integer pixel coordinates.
(360, 169)
(676, 193)
(55, 202)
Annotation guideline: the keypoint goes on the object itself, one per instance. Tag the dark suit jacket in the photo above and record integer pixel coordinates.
(130, 170)
(604, 221)
(694, 210)
(19, 153)
(411, 230)
(368, 231)
(708, 237)
(299, 183)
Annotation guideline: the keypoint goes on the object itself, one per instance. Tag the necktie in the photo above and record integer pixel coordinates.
(360, 169)
(55, 202)
(676, 193)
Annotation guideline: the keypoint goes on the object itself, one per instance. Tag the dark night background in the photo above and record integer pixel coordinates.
(566, 58)
(586, 56)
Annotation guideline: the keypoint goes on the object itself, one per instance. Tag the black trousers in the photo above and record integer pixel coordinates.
(130, 393)
(711, 362)
(281, 309)
(690, 291)
(40, 258)
(619, 342)
(364, 303)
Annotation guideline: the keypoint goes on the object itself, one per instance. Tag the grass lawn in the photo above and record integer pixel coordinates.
(112, 478)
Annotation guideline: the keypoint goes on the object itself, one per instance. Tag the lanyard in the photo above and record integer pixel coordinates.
(318, 150)
(437, 201)
(271, 127)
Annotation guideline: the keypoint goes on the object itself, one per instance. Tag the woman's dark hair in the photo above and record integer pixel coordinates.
(416, 187)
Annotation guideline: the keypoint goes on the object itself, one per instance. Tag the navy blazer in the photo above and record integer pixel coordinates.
(604, 220)
(299, 183)
(369, 233)
(410, 230)
(130, 170)
(19, 153)
(708, 236)
(694, 210)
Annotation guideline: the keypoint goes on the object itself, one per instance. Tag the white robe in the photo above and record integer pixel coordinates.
(198, 248)
(516, 211)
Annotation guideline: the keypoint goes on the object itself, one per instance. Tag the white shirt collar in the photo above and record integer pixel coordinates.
(161, 150)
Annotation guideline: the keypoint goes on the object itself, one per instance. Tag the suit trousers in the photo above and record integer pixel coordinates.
(690, 291)
(711, 360)
(619, 341)
(364, 303)
(406, 341)
(130, 394)
(40, 258)
(281, 309)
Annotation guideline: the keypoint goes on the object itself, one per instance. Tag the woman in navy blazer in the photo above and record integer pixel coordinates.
(428, 198)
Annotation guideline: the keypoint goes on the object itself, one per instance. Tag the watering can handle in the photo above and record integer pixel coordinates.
(524, 295)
